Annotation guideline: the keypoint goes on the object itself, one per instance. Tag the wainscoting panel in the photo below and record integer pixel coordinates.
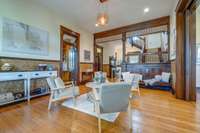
(106, 68)
(84, 66)
(148, 70)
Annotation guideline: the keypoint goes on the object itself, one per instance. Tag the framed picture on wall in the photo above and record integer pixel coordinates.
(21, 40)
(173, 47)
(87, 55)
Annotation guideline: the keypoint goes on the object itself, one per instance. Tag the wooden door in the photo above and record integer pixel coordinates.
(191, 51)
(98, 58)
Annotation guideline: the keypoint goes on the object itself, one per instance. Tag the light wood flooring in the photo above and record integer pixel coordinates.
(153, 112)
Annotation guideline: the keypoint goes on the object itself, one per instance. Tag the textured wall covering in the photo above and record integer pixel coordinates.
(27, 65)
(24, 65)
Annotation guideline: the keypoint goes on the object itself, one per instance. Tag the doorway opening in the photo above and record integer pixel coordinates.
(70, 42)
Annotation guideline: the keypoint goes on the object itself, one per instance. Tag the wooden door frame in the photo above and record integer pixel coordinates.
(184, 60)
(97, 46)
(64, 30)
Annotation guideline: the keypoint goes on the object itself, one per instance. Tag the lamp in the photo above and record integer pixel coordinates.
(102, 17)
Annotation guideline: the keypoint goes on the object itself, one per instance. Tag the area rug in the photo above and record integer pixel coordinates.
(86, 106)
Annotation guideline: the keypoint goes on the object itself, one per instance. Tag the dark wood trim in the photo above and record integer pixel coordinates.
(64, 30)
(185, 69)
(123, 48)
(180, 61)
(138, 26)
(183, 5)
(87, 63)
(97, 46)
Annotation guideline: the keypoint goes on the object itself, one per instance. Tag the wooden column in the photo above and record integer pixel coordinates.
(180, 54)
(124, 48)
(123, 52)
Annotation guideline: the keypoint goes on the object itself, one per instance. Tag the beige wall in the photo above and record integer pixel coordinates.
(33, 13)
(109, 49)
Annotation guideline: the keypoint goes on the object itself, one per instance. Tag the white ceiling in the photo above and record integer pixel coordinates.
(121, 12)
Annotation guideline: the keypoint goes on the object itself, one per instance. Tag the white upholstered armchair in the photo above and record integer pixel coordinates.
(60, 90)
(112, 98)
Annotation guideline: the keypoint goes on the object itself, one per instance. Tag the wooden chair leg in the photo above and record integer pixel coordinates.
(50, 101)
(138, 91)
(99, 123)
(97, 108)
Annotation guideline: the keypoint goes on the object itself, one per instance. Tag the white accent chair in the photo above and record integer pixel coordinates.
(60, 90)
(112, 98)
(133, 79)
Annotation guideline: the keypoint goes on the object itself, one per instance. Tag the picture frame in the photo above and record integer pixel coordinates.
(87, 55)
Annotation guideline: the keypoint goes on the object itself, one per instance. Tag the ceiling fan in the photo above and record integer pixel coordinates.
(102, 17)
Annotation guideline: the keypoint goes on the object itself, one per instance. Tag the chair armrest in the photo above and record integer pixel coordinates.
(56, 89)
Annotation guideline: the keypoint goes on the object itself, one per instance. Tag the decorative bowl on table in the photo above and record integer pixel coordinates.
(99, 78)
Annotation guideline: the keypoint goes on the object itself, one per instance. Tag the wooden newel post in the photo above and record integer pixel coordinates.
(123, 51)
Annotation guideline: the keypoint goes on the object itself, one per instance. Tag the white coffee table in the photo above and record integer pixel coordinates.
(93, 85)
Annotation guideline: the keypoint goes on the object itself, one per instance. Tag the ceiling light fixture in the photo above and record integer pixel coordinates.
(146, 10)
(102, 17)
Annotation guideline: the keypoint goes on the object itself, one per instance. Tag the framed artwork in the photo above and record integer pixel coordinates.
(87, 55)
(22, 40)
(173, 47)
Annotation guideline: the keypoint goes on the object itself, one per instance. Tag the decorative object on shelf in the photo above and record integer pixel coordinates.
(18, 95)
(6, 67)
(6, 97)
(42, 67)
(38, 91)
(87, 55)
(102, 17)
(19, 39)
(50, 67)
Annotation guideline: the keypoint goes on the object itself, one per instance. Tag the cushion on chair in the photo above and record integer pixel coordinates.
(165, 77)
(114, 97)
(158, 77)
(59, 83)
(67, 93)
(51, 82)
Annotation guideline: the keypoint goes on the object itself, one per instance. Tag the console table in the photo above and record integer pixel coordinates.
(26, 77)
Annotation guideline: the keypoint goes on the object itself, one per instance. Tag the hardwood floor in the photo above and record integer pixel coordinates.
(153, 112)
